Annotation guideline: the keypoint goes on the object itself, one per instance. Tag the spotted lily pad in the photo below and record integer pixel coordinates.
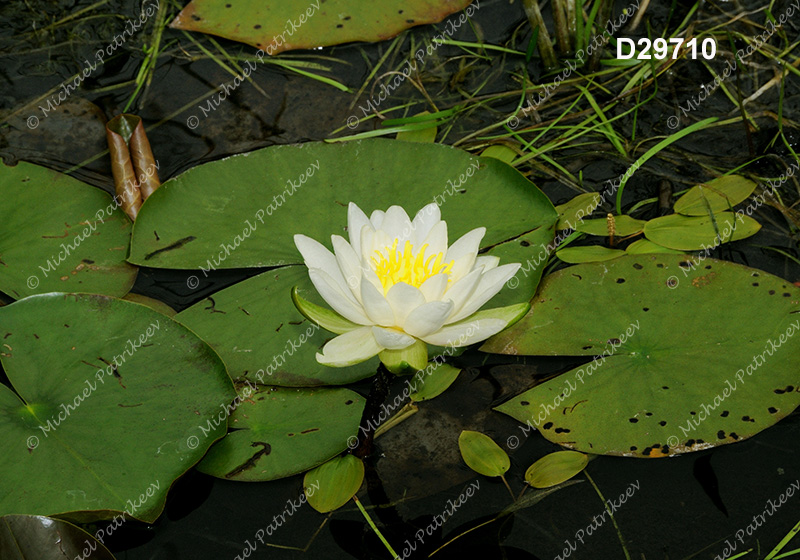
(278, 432)
(76, 242)
(688, 354)
(277, 26)
(106, 397)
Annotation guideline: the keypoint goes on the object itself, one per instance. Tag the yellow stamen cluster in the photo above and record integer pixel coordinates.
(393, 266)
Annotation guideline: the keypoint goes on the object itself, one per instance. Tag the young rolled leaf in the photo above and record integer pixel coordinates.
(482, 454)
(555, 468)
(331, 485)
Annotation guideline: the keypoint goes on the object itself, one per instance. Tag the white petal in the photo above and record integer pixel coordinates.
(434, 287)
(375, 305)
(427, 318)
(436, 240)
(425, 219)
(391, 338)
(397, 225)
(491, 283)
(460, 291)
(404, 299)
(488, 262)
(340, 300)
(349, 348)
(376, 219)
(316, 255)
(466, 333)
(464, 251)
(356, 220)
(349, 265)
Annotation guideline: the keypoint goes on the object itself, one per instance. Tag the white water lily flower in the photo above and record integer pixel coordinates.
(399, 286)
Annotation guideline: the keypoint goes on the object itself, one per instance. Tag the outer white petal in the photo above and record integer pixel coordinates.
(376, 218)
(436, 240)
(316, 255)
(396, 224)
(488, 262)
(464, 251)
(404, 299)
(425, 219)
(356, 220)
(349, 264)
(460, 292)
(466, 333)
(427, 318)
(375, 305)
(434, 287)
(350, 348)
(340, 300)
(391, 338)
(491, 283)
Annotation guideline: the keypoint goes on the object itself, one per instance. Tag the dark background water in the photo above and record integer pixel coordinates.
(684, 507)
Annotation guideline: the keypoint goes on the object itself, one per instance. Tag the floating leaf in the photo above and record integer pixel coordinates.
(623, 226)
(278, 432)
(234, 212)
(643, 246)
(676, 357)
(28, 537)
(588, 253)
(424, 132)
(686, 233)
(718, 195)
(435, 379)
(570, 214)
(331, 485)
(277, 26)
(482, 454)
(555, 468)
(77, 241)
(501, 152)
(261, 337)
(153, 304)
(109, 395)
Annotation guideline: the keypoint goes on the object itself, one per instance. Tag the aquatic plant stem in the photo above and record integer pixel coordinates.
(375, 528)
(611, 515)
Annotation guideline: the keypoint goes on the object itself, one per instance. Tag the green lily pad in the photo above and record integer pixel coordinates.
(434, 380)
(243, 211)
(482, 454)
(555, 468)
(106, 397)
(279, 431)
(261, 337)
(501, 152)
(686, 233)
(281, 26)
(643, 246)
(25, 537)
(689, 354)
(76, 242)
(572, 213)
(588, 253)
(623, 226)
(331, 485)
(718, 195)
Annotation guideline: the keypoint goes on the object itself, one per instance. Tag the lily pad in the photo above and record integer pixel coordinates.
(278, 432)
(106, 397)
(25, 537)
(243, 211)
(571, 213)
(642, 246)
(330, 486)
(689, 354)
(435, 382)
(261, 337)
(623, 226)
(482, 454)
(717, 196)
(555, 468)
(75, 242)
(277, 26)
(589, 253)
(686, 233)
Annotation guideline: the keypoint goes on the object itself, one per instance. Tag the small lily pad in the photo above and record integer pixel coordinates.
(482, 454)
(717, 196)
(623, 226)
(571, 214)
(643, 246)
(331, 485)
(434, 382)
(555, 468)
(686, 233)
(588, 253)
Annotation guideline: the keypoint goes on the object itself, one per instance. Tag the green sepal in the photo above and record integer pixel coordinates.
(325, 318)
